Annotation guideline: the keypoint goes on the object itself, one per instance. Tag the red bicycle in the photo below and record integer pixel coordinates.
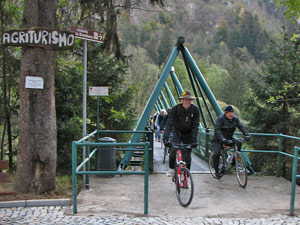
(183, 178)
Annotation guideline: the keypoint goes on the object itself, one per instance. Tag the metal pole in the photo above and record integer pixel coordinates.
(195, 70)
(74, 178)
(84, 103)
(294, 174)
(146, 178)
(98, 112)
(279, 156)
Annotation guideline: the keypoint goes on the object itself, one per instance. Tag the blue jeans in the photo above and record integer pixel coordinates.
(159, 134)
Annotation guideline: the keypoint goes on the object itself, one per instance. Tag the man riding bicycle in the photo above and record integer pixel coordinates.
(183, 120)
(223, 134)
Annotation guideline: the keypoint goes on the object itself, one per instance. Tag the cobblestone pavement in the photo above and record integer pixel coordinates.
(56, 215)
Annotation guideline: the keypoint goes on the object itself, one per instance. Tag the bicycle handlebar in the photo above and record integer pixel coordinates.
(182, 145)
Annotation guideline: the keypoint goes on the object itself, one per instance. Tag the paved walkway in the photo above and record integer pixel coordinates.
(56, 216)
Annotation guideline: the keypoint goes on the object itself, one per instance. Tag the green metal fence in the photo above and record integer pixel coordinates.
(86, 141)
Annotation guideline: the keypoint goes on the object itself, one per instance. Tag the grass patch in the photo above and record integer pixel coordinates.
(63, 190)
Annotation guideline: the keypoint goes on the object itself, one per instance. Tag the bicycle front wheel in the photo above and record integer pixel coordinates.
(241, 171)
(184, 187)
(220, 167)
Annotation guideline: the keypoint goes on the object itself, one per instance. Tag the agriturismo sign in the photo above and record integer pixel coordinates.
(39, 37)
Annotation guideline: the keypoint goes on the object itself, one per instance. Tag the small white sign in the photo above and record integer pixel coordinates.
(34, 82)
(98, 91)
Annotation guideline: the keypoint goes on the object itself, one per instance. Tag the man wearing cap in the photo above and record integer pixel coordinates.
(183, 120)
(223, 135)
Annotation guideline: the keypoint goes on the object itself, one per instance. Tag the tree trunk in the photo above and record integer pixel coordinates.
(36, 165)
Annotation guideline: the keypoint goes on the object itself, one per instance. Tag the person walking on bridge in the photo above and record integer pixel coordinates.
(160, 123)
(223, 134)
(183, 121)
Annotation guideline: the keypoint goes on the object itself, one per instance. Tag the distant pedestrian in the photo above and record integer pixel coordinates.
(161, 123)
(154, 126)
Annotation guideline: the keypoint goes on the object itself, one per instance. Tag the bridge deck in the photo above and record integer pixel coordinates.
(198, 165)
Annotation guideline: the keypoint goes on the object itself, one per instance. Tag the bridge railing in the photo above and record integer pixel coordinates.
(294, 177)
(205, 148)
(84, 167)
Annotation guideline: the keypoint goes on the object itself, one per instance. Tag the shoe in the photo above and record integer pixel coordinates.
(218, 175)
(170, 172)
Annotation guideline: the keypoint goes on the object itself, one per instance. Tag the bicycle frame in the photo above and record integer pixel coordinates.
(236, 158)
(180, 164)
(227, 149)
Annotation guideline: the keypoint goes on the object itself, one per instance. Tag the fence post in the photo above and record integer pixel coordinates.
(150, 135)
(279, 156)
(74, 178)
(294, 176)
(146, 177)
(87, 183)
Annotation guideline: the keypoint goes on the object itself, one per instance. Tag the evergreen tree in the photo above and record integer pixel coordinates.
(274, 106)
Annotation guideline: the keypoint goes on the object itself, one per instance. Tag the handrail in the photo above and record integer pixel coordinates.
(294, 177)
(83, 142)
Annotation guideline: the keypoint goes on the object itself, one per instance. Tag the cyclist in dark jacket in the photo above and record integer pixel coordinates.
(223, 135)
(183, 121)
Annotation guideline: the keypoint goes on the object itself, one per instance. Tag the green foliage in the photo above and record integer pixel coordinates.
(68, 100)
(142, 75)
(293, 8)
(116, 111)
(245, 32)
(12, 13)
(275, 102)
(10, 18)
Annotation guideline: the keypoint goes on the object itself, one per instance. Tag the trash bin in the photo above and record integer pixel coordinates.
(106, 156)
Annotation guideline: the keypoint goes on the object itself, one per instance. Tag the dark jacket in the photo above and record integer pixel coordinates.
(184, 123)
(162, 120)
(225, 128)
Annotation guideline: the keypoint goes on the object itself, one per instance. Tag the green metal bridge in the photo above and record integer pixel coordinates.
(141, 142)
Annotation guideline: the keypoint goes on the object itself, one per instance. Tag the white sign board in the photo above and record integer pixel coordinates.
(98, 91)
(34, 82)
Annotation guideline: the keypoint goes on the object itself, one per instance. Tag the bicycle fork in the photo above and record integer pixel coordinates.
(181, 164)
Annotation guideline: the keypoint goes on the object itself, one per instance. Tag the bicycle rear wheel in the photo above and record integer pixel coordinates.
(184, 187)
(166, 149)
(241, 171)
(220, 167)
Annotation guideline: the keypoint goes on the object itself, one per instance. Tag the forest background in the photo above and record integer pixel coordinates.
(246, 50)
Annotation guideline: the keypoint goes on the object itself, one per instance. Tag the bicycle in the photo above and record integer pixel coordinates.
(183, 178)
(234, 158)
